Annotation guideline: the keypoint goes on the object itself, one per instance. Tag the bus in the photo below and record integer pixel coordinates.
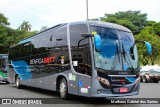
(87, 58)
(3, 68)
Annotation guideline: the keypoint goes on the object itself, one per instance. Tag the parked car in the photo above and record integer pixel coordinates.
(150, 76)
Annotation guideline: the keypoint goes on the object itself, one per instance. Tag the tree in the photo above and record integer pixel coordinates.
(133, 20)
(156, 28)
(3, 20)
(3, 32)
(150, 23)
(25, 26)
(9, 36)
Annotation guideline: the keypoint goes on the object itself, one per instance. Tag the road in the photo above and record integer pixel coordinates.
(148, 90)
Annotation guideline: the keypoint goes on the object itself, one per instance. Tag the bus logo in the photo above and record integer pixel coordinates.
(46, 60)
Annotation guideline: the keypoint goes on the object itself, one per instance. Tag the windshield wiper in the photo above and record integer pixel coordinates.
(114, 63)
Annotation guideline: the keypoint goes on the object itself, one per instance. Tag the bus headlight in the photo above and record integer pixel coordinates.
(104, 81)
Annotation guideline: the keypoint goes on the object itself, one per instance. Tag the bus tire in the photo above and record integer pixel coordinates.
(17, 82)
(63, 88)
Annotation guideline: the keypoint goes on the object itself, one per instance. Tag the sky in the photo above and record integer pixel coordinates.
(51, 12)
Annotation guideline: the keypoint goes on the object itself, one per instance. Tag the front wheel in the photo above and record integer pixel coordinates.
(63, 88)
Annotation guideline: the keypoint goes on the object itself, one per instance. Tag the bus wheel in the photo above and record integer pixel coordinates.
(17, 82)
(63, 88)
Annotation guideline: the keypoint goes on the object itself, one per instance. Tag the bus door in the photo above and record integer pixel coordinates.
(84, 70)
(81, 58)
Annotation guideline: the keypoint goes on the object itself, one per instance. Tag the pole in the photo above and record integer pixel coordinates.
(87, 8)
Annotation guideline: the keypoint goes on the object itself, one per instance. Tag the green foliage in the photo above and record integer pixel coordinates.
(133, 20)
(3, 20)
(150, 23)
(156, 28)
(9, 36)
(122, 22)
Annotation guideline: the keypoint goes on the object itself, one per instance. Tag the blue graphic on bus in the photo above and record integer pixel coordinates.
(130, 79)
(22, 69)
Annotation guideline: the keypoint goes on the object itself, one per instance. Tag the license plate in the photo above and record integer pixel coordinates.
(123, 90)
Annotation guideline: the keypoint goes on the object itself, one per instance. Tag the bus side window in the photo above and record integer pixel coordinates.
(40, 50)
(11, 53)
(17, 52)
(25, 50)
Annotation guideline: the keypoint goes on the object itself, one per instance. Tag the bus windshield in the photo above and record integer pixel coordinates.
(115, 50)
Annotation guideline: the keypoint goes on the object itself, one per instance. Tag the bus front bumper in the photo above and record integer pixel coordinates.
(108, 93)
(116, 95)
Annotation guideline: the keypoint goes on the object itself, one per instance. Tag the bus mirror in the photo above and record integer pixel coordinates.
(97, 41)
(87, 35)
(149, 47)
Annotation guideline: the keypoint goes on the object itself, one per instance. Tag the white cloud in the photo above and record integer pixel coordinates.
(50, 12)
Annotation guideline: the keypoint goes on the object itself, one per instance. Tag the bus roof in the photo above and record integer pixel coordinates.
(103, 24)
(30, 38)
(94, 23)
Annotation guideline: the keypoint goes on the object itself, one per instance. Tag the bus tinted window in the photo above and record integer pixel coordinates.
(17, 52)
(25, 50)
(75, 33)
(11, 53)
(48, 41)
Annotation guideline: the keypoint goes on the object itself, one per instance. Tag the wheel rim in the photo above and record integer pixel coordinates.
(17, 82)
(62, 89)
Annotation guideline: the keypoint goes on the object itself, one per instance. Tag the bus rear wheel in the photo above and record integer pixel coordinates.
(63, 88)
(17, 82)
